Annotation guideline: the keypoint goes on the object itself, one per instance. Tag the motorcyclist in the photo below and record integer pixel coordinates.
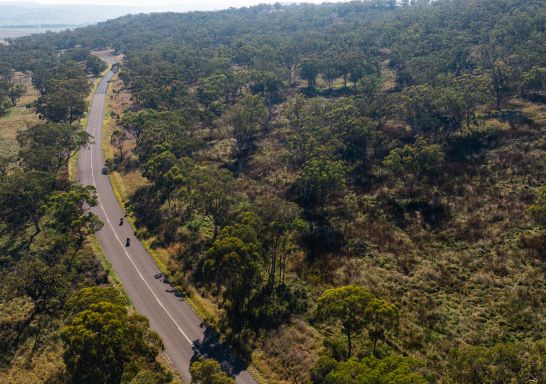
(128, 243)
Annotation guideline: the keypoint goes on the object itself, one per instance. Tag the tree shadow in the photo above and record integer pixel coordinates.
(212, 348)
(146, 207)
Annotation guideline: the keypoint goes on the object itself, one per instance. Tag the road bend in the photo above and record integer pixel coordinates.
(183, 333)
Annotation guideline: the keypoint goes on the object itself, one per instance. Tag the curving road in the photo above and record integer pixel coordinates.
(183, 333)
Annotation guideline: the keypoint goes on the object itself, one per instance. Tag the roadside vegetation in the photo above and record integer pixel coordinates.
(61, 320)
(355, 191)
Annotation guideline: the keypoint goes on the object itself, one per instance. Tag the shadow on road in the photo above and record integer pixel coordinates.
(212, 348)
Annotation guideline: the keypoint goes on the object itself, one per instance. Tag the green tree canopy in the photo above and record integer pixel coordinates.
(213, 195)
(64, 101)
(309, 69)
(234, 266)
(212, 88)
(413, 162)
(534, 79)
(509, 363)
(118, 139)
(69, 213)
(320, 180)
(380, 316)
(100, 342)
(94, 65)
(346, 305)
(83, 298)
(246, 118)
(22, 196)
(370, 370)
(503, 81)
(208, 371)
(357, 309)
(49, 147)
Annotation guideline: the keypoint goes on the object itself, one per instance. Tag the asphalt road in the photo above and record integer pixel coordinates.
(183, 333)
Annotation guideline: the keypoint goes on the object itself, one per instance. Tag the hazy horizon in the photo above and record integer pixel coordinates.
(21, 18)
(158, 6)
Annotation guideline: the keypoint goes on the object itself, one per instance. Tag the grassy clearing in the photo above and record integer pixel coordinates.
(288, 353)
(31, 367)
(388, 76)
(17, 119)
(537, 112)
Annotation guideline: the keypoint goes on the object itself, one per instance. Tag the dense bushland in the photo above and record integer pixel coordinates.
(352, 179)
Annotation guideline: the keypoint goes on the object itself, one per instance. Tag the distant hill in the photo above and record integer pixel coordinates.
(25, 15)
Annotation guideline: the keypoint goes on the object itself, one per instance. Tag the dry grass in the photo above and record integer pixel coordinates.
(537, 112)
(35, 367)
(127, 183)
(288, 353)
(32, 362)
(17, 119)
(470, 280)
(388, 76)
(217, 151)
(204, 307)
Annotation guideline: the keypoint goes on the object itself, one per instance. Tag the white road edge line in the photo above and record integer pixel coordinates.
(121, 244)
